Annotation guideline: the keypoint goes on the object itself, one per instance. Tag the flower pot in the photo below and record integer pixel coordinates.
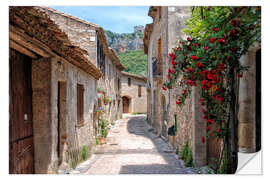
(102, 140)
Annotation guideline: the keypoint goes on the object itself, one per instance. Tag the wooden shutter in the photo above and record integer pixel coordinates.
(80, 102)
(159, 57)
(139, 90)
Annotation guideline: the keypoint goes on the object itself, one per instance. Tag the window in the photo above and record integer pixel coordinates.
(100, 57)
(129, 82)
(119, 84)
(80, 107)
(140, 91)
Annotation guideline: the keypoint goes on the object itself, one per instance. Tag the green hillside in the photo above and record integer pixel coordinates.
(134, 61)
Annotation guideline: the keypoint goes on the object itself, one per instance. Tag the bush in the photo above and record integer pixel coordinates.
(84, 153)
(186, 155)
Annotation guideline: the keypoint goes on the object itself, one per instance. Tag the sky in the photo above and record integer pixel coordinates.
(119, 19)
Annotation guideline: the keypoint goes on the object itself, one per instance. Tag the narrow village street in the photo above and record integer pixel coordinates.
(133, 149)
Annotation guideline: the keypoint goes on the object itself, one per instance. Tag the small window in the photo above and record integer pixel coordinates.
(80, 102)
(129, 82)
(140, 91)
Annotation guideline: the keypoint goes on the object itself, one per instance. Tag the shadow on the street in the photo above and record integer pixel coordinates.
(148, 169)
(139, 126)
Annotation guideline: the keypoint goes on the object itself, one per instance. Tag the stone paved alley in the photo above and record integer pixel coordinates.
(133, 149)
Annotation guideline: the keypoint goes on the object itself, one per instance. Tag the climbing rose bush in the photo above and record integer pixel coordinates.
(208, 58)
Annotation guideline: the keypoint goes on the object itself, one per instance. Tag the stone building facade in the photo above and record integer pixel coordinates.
(55, 72)
(159, 39)
(91, 38)
(133, 93)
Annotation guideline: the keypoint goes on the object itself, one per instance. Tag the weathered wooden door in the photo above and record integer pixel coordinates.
(126, 102)
(21, 150)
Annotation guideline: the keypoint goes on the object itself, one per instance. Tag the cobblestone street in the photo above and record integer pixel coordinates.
(132, 149)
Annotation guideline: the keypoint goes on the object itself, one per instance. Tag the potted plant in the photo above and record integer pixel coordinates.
(106, 100)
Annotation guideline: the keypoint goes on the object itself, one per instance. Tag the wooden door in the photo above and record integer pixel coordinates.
(21, 149)
(125, 105)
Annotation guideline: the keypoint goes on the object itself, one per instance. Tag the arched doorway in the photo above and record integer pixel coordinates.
(126, 104)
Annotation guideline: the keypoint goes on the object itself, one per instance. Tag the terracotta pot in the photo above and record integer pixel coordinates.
(102, 140)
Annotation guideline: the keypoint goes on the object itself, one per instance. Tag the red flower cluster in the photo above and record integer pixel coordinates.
(202, 140)
(195, 44)
(205, 48)
(221, 41)
(239, 75)
(212, 40)
(194, 57)
(206, 84)
(163, 87)
(199, 64)
(215, 29)
(235, 22)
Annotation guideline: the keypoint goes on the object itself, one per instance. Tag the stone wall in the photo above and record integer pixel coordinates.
(169, 28)
(137, 104)
(45, 161)
(80, 34)
(109, 84)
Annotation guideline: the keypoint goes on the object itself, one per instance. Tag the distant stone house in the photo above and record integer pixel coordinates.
(162, 112)
(133, 93)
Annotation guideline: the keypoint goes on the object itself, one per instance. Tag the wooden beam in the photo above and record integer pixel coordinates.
(21, 49)
(27, 44)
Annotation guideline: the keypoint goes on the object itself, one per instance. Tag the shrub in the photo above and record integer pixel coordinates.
(84, 152)
(186, 155)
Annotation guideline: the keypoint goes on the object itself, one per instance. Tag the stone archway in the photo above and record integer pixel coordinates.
(126, 104)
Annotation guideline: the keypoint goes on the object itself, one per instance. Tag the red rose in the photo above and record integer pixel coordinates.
(177, 102)
(207, 128)
(199, 64)
(239, 75)
(188, 38)
(209, 76)
(221, 41)
(203, 110)
(194, 57)
(169, 87)
(218, 130)
(212, 40)
(233, 49)
(195, 44)
(209, 121)
(202, 139)
(205, 48)
(220, 98)
(234, 22)
(163, 87)
(215, 29)
(169, 77)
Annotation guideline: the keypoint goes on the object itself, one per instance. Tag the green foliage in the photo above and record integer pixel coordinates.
(176, 151)
(97, 142)
(134, 61)
(114, 36)
(186, 155)
(84, 153)
(103, 127)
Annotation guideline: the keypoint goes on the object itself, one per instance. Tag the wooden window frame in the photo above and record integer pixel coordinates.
(80, 105)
